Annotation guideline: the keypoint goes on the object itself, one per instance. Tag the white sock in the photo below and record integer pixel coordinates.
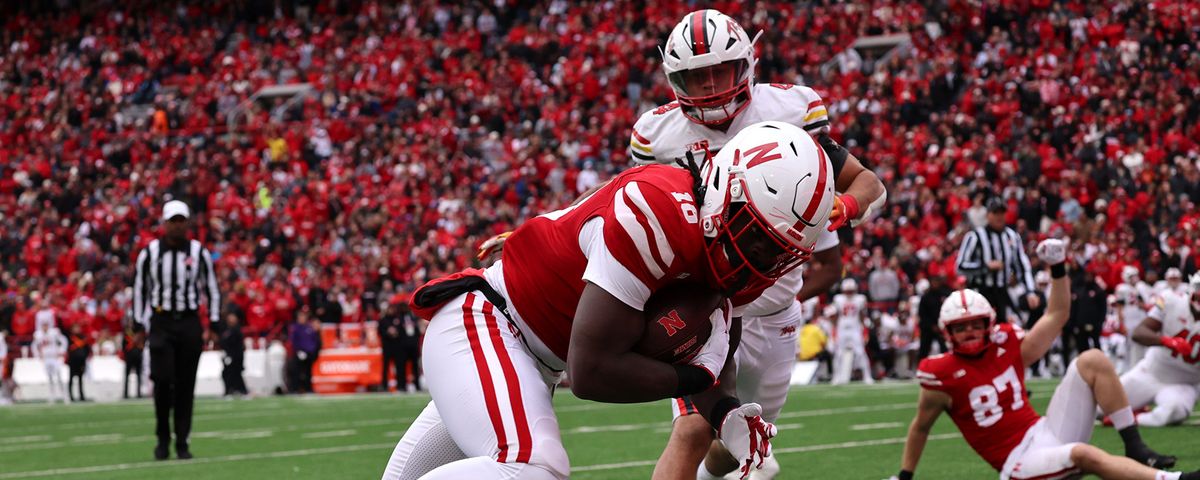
(1164, 475)
(702, 473)
(1122, 418)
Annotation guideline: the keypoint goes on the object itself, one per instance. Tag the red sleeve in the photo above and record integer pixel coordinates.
(930, 373)
(652, 231)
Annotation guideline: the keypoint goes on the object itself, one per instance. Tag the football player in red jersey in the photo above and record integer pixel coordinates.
(981, 385)
(568, 293)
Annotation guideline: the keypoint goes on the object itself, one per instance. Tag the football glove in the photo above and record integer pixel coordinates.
(1052, 251)
(1177, 345)
(712, 355)
(492, 245)
(845, 209)
(747, 436)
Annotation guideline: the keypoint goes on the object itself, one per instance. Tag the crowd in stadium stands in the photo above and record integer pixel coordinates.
(433, 126)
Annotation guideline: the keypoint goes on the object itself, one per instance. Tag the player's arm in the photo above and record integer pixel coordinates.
(861, 193)
(726, 386)
(1149, 332)
(603, 367)
(1058, 309)
(824, 270)
(930, 406)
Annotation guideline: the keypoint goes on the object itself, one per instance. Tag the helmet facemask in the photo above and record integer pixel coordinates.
(975, 347)
(747, 251)
(714, 94)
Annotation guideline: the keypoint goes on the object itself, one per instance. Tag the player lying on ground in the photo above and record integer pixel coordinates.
(1169, 375)
(568, 293)
(981, 385)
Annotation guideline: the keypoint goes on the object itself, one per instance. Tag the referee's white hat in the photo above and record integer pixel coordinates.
(175, 208)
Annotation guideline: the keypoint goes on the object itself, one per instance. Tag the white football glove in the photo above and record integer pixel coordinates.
(712, 355)
(747, 436)
(1052, 251)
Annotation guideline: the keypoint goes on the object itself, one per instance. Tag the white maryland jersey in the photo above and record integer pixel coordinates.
(781, 295)
(851, 308)
(1133, 316)
(1175, 314)
(1144, 290)
(664, 135)
(1160, 287)
(49, 344)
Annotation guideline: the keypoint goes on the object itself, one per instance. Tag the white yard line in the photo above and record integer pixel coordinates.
(778, 451)
(875, 426)
(329, 434)
(196, 461)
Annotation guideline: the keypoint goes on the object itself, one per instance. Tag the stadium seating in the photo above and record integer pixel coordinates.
(433, 126)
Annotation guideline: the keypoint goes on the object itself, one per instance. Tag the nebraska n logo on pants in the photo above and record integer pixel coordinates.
(491, 414)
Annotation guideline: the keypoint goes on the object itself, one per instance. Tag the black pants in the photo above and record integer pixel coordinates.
(410, 355)
(302, 372)
(232, 375)
(175, 345)
(929, 335)
(393, 358)
(133, 364)
(77, 365)
(1087, 337)
(999, 299)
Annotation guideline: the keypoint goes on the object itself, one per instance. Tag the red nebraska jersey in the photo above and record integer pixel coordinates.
(989, 403)
(635, 235)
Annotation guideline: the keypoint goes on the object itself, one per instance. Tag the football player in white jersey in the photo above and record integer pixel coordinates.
(709, 61)
(1131, 310)
(1132, 277)
(851, 353)
(50, 345)
(1172, 282)
(1169, 375)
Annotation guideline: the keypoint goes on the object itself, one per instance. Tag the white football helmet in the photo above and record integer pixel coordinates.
(963, 306)
(770, 182)
(849, 285)
(709, 61)
(1129, 274)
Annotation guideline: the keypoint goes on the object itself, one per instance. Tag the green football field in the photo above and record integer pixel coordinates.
(825, 432)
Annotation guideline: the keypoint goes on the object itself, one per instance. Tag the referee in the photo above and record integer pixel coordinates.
(169, 275)
(993, 256)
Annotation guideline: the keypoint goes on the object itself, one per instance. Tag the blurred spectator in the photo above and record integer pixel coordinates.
(233, 343)
(79, 348)
(50, 345)
(928, 311)
(884, 285)
(132, 346)
(305, 340)
(813, 340)
(1035, 306)
(1089, 308)
(400, 335)
(5, 396)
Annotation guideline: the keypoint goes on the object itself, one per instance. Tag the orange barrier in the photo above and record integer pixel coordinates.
(347, 370)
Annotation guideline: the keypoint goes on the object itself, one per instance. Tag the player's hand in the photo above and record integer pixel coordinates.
(1177, 345)
(712, 355)
(492, 245)
(747, 436)
(845, 209)
(1052, 251)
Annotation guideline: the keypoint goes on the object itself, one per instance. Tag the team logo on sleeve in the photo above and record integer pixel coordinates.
(999, 337)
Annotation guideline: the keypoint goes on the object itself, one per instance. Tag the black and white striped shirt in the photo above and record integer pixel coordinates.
(982, 245)
(169, 280)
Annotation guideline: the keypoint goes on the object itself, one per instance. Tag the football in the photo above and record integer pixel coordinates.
(677, 322)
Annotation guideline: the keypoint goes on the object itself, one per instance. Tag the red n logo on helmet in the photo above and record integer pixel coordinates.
(760, 154)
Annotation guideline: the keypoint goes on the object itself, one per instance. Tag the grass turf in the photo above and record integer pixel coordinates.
(825, 432)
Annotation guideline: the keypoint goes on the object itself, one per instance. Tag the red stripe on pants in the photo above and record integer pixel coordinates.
(485, 378)
(524, 442)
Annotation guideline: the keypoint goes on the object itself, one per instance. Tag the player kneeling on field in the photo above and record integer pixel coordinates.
(981, 384)
(570, 290)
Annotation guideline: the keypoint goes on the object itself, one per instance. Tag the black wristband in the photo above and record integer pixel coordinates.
(1058, 270)
(692, 380)
(905, 475)
(722, 407)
